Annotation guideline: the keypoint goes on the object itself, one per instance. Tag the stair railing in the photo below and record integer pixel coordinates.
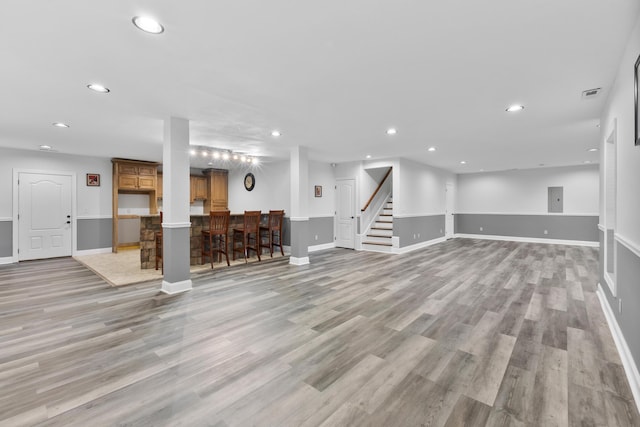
(374, 204)
(376, 191)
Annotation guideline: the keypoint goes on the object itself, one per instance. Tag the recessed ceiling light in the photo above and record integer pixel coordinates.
(46, 147)
(481, 170)
(276, 133)
(431, 149)
(462, 162)
(368, 156)
(60, 125)
(193, 152)
(514, 108)
(98, 88)
(587, 161)
(592, 150)
(391, 131)
(147, 24)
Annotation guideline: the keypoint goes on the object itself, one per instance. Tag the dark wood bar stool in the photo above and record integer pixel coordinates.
(159, 246)
(214, 240)
(273, 230)
(248, 235)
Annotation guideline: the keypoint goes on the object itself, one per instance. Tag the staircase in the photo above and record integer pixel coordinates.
(378, 239)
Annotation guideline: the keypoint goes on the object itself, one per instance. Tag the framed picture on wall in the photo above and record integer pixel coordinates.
(318, 190)
(636, 77)
(93, 180)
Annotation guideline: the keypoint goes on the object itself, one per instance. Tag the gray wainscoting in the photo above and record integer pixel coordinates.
(6, 239)
(427, 227)
(94, 233)
(562, 227)
(321, 227)
(627, 274)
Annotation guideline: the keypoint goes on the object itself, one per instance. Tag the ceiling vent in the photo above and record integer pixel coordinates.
(591, 93)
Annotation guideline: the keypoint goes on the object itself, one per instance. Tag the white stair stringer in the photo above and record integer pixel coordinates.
(379, 237)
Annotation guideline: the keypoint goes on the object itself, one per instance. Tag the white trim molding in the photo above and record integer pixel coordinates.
(316, 248)
(93, 251)
(417, 246)
(6, 219)
(298, 261)
(418, 215)
(7, 260)
(94, 216)
(630, 368)
(528, 213)
(627, 243)
(176, 225)
(323, 216)
(176, 287)
(528, 240)
(601, 228)
(299, 218)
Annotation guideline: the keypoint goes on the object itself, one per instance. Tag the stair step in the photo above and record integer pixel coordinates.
(386, 214)
(383, 221)
(377, 243)
(379, 235)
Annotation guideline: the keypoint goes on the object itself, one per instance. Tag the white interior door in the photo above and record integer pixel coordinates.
(44, 216)
(346, 213)
(448, 213)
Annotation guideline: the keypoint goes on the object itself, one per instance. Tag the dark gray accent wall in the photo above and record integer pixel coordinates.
(299, 239)
(321, 227)
(6, 239)
(562, 227)
(176, 255)
(427, 227)
(627, 273)
(94, 233)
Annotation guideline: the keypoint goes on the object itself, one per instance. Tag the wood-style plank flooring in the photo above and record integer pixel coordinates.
(467, 332)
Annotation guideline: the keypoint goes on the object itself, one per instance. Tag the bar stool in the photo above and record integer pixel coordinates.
(159, 246)
(216, 236)
(251, 227)
(274, 232)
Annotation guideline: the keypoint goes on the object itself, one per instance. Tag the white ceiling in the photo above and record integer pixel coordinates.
(331, 75)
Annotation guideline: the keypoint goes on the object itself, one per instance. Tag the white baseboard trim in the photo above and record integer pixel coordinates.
(6, 260)
(420, 245)
(93, 251)
(630, 368)
(299, 261)
(176, 287)
(528, 240)
(321, 247)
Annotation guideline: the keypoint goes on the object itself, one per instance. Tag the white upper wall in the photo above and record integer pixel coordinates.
(321, 174)
(525, 191)
(271, 191)
(92, 202)
(620, 108)
(420, 189)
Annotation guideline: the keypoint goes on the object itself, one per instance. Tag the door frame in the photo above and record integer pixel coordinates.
(449, 234)
(16, 207)
(356, 216)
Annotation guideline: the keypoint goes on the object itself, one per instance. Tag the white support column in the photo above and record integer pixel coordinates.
(299, 206)
(176, 226)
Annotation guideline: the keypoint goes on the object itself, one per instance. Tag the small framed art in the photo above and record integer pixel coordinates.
(318, 190)
(93, 180)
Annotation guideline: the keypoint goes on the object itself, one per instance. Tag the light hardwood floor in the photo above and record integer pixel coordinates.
(467, 332)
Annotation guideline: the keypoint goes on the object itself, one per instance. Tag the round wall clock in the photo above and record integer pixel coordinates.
(249, 181)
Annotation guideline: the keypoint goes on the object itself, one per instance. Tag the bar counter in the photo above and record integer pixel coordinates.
(150, 224)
